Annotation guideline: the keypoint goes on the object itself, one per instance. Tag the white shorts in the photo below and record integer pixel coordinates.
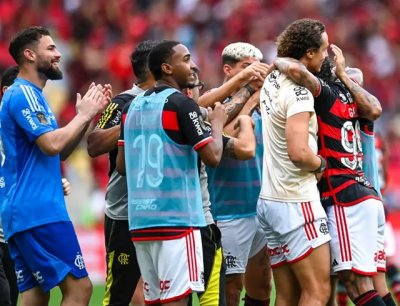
(390, 240)
(171, 269)
(293, 230)
(357, 237)
(241, 239)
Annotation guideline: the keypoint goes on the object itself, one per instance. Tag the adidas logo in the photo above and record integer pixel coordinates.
(334, 263)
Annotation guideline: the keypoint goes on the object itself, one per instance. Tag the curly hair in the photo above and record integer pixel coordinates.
(300, 36)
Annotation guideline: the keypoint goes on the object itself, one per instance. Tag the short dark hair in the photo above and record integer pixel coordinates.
(300, 36)
(24, 38)
(140, 59)
(159, 55)
(8, 76)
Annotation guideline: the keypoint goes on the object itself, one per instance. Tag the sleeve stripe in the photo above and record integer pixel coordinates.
(35, 99)
(28, 96)
(106, 115)
(120, 143)
(202, 143)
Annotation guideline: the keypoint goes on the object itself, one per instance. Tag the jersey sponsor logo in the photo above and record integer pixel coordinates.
(79, 262)
(39, 278)
(19, 275)
(165, 285)
(301, 94)
(145, 204)
(272, 79)
(380, 256)
(123, 259)
(278, 250)
(27, 114)
(196, 122)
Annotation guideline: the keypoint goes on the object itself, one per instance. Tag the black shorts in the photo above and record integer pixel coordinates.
(8, 279)
(214, 267)
(122, 267)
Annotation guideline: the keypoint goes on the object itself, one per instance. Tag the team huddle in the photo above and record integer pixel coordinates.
(270, 175)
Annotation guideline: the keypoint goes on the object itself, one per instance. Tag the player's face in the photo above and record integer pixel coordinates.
(319, 55)
(239, 66)
(182, 67)
(48, 59)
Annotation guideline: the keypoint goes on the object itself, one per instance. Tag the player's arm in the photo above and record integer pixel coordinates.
(211, 152)
(368, 105)
(104, 137)
(298, 149)
(247, 109)
(64, 140)
(295, 70)
(255, 71)
(243, 146)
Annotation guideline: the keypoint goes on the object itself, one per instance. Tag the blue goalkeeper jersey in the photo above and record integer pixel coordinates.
(31, 192)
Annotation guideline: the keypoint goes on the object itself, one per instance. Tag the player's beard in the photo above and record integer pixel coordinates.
(50, 72)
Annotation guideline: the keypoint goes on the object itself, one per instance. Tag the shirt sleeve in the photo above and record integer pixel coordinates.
(299, 99)
(325, 99)
(112, 114)
(31, 113)
(191, 123)
(121, 140)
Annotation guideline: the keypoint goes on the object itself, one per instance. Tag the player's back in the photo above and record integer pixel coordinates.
(282, 180)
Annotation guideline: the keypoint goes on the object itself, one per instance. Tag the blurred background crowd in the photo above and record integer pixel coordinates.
(96, 38)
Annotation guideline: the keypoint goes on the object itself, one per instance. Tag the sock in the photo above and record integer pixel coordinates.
(248, 301)
(369, 298)
(342, 298)
(388, 299)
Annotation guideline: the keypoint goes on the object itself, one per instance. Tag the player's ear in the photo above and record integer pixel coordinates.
(227, 70)
(166, 68)
(310, 53)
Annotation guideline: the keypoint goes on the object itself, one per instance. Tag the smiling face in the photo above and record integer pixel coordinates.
(48, 58)
(315, 58)
(182, 66)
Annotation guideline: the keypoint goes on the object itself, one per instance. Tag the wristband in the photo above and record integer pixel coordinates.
(322, 166)
(249, 89)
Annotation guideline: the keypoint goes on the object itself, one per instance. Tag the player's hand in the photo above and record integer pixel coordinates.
(217, 114)
(66, 186)
(340, 63)
(94, 101)
(255, 71)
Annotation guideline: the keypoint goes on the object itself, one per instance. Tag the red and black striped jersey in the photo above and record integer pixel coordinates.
(343, 182)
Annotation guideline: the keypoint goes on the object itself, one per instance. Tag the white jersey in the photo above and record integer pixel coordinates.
(282, 180)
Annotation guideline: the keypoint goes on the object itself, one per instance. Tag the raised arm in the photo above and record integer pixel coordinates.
(295, 70)
(255, 71)
(368, 105)
(247, 109)
(63, 140)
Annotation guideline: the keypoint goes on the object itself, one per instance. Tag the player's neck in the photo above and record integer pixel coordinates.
(32, 76)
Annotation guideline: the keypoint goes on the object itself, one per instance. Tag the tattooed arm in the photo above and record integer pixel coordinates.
(368, 105)
(243, 146)
(247, 109)
(295, 70)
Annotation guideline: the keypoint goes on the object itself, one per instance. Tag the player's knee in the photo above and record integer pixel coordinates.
(355, 284)
(233, 289)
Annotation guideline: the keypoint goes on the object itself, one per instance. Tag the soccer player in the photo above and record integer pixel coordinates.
(234, 189)
(40, 235)
(289, 208)
(354, 209)
(163, 134)
(123, 271)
